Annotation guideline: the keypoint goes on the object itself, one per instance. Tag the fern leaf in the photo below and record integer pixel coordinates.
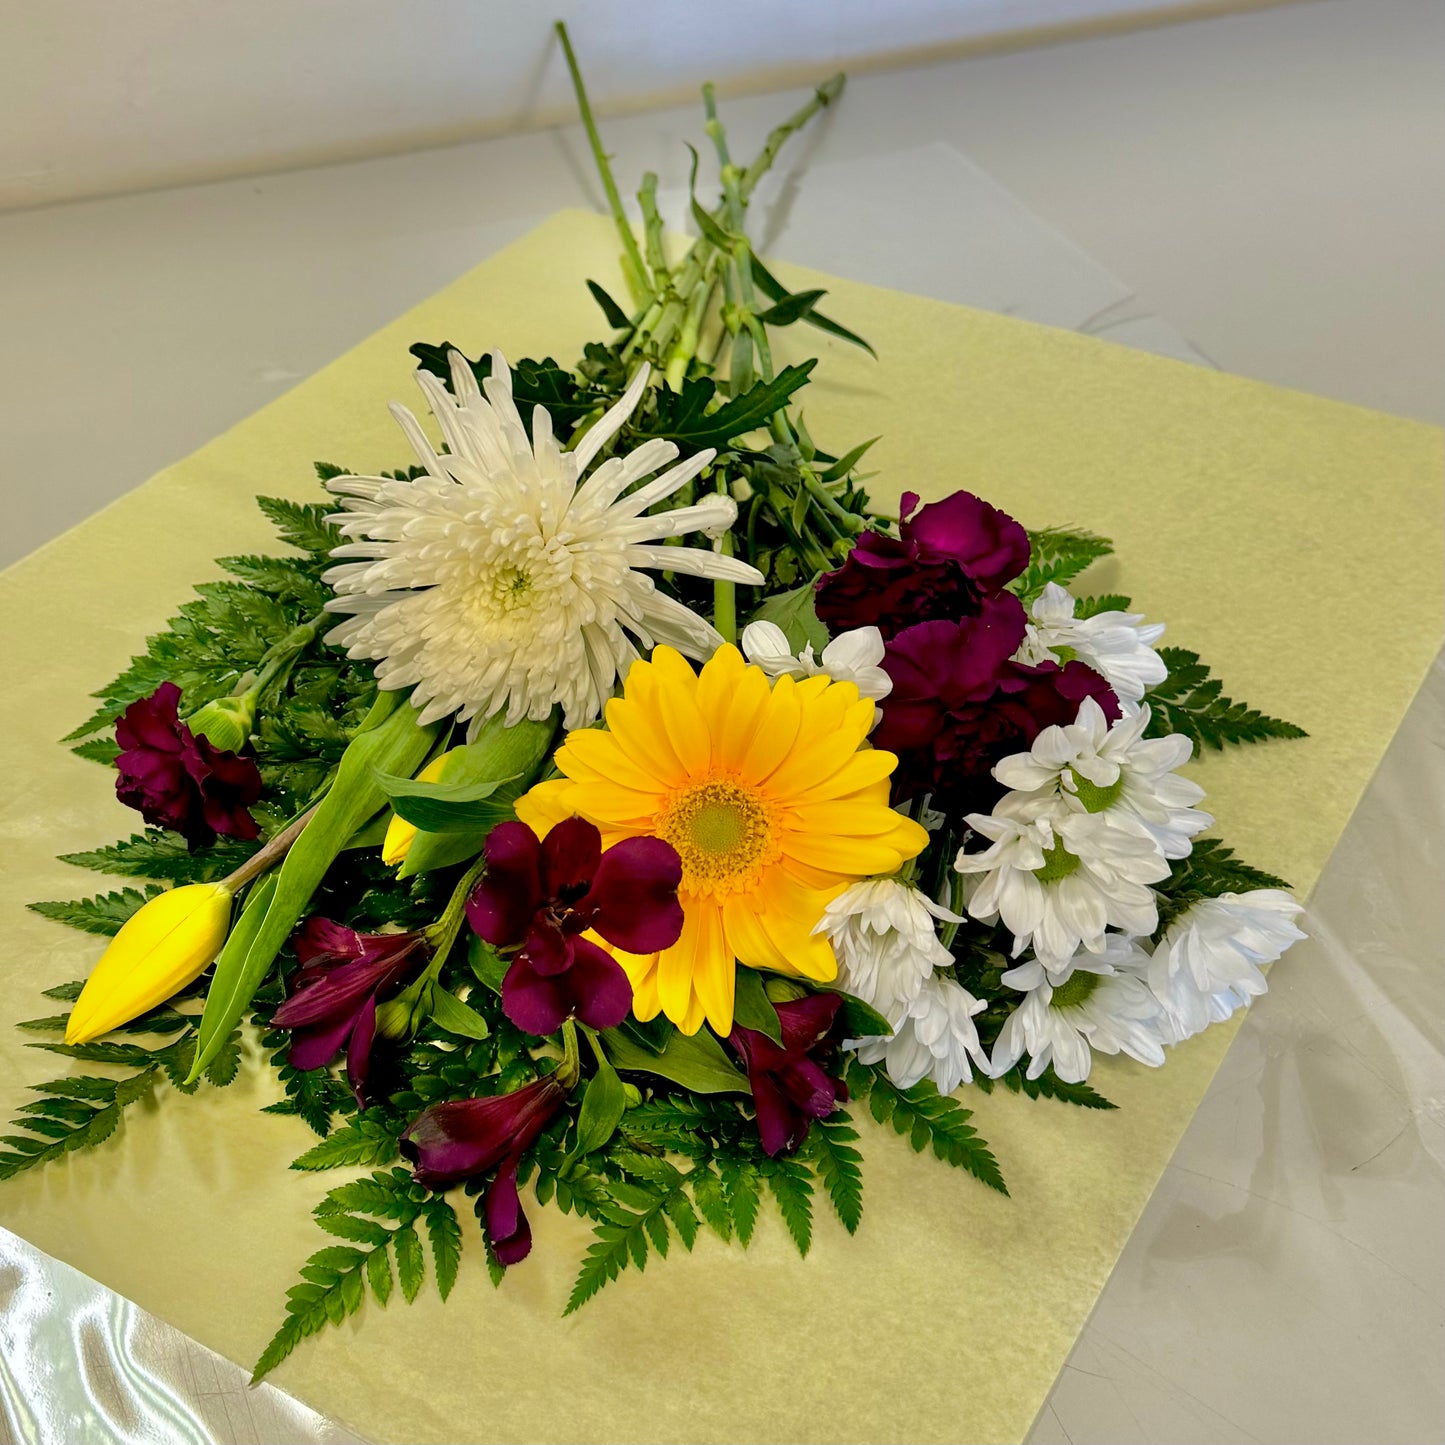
(927, 1119)
(1191, 702)
(839, 1165)
(367, 1138)
(792, 1187)
(1057, 554)
(104, 914)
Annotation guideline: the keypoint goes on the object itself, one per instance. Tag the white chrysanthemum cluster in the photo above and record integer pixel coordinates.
(884, 933)
(501, 580)
(1117, 645)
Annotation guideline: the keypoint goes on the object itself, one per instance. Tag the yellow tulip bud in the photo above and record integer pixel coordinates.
(399, 833)
(158, 951)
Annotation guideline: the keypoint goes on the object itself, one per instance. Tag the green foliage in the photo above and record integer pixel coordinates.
(378, 1217)
(1047, 1086)
(685, 416)
(367, 1138)
(927, 1119)
(104, 914)
(534, 383)
(1191, 702)
(795, 613)
(1057, 554)
(1107, 602)
(303, 525)
(1209, 870)
(839, 1166)
(165, 856)
(798, 306)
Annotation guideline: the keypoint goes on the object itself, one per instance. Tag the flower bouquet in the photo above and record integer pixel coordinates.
(612, 806)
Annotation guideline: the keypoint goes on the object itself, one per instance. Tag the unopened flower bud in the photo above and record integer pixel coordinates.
(782, 990)
(632, 1094)
(159, 950)
(225, 722)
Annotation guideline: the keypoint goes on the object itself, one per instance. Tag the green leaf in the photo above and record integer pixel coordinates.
(71, 1114)
(303, 524)
(410, 1262)
(445, 1234)
(792, 1187)
(98, 750)
(793, 307)
(163, 855)
(1093, 606)
(104, 914)
(617, 318)
(847, 462)
(450, 1013)
(486, 963)
(368, 1138)
(1057, 554)
(1048, 1085)
(743, 1184)
(388, 741)
(859, 1020)
(604, 1102)
(753, 1009)
(796, 614)
(927, 1118)
(839, 1165)
(697, 1062)
(534, 383)
(1191, 702)
(682, 417)
(774, 289)
(443, 807)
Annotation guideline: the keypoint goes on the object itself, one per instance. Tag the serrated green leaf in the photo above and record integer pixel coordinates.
(1191, 703)
(1057, 554)
(796, 614)
(104, 914)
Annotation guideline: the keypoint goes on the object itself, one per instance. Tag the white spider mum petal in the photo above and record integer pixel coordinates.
(502, 580)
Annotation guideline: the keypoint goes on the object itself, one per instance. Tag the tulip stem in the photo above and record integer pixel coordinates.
(267, 856)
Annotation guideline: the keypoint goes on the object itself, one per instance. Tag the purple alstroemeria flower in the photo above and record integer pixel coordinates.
(790, 1087)
(334, 996)
(450, 1142)
(541, 895)
(959, 703)
(948, 557)
(177, 779)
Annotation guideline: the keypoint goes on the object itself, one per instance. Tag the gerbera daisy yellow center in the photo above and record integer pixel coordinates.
(770, 794)
(723, 832)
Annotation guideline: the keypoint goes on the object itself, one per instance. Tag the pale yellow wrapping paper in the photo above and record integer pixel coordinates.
(1294, 542)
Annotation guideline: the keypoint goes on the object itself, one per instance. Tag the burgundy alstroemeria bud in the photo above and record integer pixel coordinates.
(450, 1142)
(790, 1086)
(177, 779)
(334, 995)
(541, 895)
(949, 556)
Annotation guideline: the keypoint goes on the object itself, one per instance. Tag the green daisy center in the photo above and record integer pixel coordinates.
(1094, 798)
(1058, 863)
(1075, 989)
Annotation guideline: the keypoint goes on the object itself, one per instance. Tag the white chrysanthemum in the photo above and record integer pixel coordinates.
(1114, 772)
(938, 1039)
(501, 579)
(885, 936)
(1058, 880)
(1208, 963)
(849, 657)
(1116, 644)
(1092, 1005)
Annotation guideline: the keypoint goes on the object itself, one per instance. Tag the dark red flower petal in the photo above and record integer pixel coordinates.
(502, 904)
(806, 1020)
(601, 991)
(507, 1229)
(987, 543)
(321, 939)
(358, 1050)
(569, 858)
(454, 1141)
(633, 899)
(316, 1046)
(546, 947)
(537, 1003)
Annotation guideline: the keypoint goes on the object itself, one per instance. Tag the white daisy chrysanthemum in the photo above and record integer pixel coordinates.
(1117, 645)
(850, 657)
(938, 1039)
(884, 934)
(504, 580)
(1058, 879)
(1092, 1005)
(1207, 965)
(1114, 772)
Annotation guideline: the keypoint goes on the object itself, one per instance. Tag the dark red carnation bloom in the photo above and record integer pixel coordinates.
(334, 996)
(948, 557)
(790, 1086)
(177, 779)
(959, 704)
(451, 1142)
(539, 896)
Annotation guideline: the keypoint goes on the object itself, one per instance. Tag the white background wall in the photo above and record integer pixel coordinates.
(100, 96)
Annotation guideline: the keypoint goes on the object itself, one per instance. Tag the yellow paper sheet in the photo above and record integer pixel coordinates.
(1294, 542)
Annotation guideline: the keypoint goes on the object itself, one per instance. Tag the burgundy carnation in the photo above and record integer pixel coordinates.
(334, 996)
(790, 1086)
(177, 779)
(540, 895)
(459, 1140)
(949, 556)
(959, 703)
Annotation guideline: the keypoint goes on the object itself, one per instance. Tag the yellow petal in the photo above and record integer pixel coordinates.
(677, 967)
(716, 683)
(868, 766)
(777, 732)
(544, 805)
(747, 938)
(746, 710)
(158, 951)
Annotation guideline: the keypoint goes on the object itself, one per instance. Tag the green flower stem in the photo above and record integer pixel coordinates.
(632, 264)
(724, 597)
(282, 656)
(824, 96)
(652, 228)
(270, 853)
(685, 347)
(443, 933)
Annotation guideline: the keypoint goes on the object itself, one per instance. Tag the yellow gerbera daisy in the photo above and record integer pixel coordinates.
(767, 793)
